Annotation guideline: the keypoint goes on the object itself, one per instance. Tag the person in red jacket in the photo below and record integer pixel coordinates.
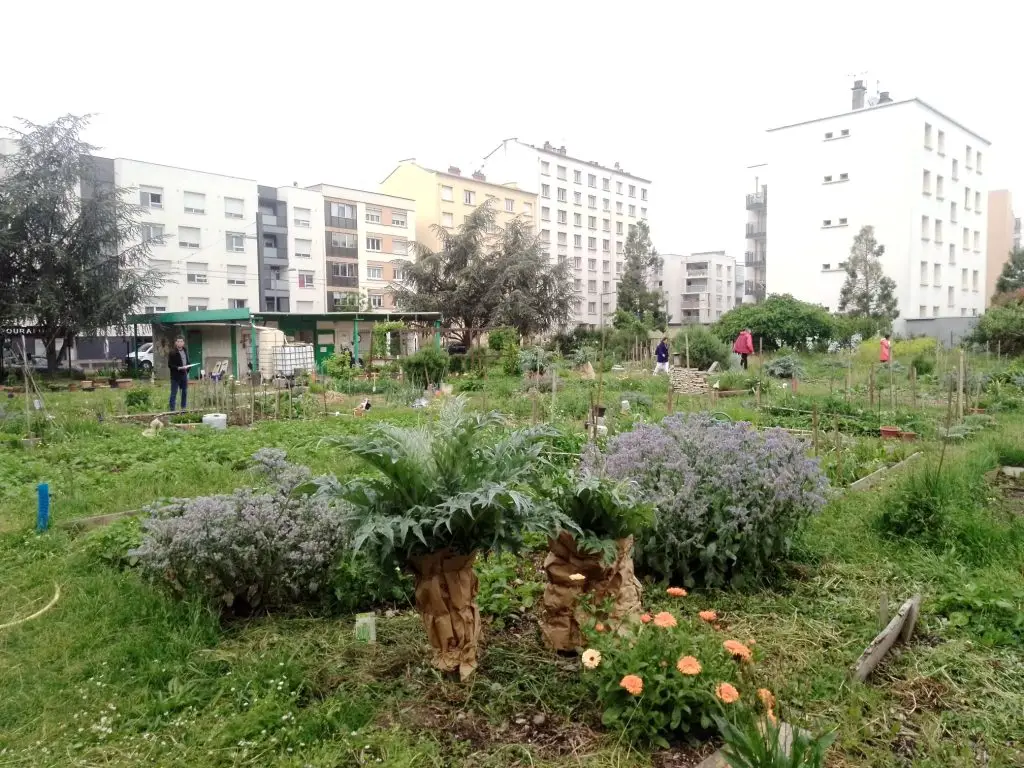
(744, 346)
(885, 351)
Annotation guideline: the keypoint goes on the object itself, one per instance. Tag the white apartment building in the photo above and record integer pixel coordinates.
(913, 173)
(367, 239)
(586, 210)
(698, 287)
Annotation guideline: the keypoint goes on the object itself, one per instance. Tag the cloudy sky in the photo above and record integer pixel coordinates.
(338, 92)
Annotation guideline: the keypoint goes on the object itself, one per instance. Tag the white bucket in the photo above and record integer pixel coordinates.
(216, 420)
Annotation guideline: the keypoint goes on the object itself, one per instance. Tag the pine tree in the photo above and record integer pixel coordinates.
(867, 291)
(635, 298)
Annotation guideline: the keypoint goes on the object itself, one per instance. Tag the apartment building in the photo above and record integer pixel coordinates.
(445, 198)
(292, 268)
(586, 211)
(698, 287)
(367, 242)
(1003, 237)
(912, 172)
(755, 257)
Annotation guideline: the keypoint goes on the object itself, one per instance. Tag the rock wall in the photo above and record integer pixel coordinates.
(689, 381)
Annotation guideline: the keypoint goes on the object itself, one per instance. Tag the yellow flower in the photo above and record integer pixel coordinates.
(688, 665)
(633, 685)
(727, 693)
(591, 658)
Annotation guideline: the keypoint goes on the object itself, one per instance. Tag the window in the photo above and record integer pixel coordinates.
(977, 240)
(372, 215)
(924, 273)
(235, 242)
(234, 208)
(373, 242)
(844, 177)
(974, 281)
(375, 273)
(591, 222)
(925, 228)
(447, 220)
(632, 210)
(606, 246)
(188, 237)
(592, 180)
(967, 198)
(606, 225)
(151, 197)
(301, 217)
(545, 235)
(969, 157)
(344, 270)
(563, 217)
(963, 279)
(935, 311)
(195, 202)
(303, 249)
(545, 190)
(826, 267)
(577, 177)
(344, 240)
(606, 266)
(604, 289)
(197, 304)
(937, 275)
(956, 174)
(922, 311)
(577, 283)
(952, 253)
(399, 218)
(632, 190)
(939, 191)
(510, 205)
(577, 219)
(545, 167)
(591, 243)
(643, 193)
(591, 307)
(977, 162)
(237, 304)
(606, 184)
(196, 272)
(618, 208)
(938, 231)
(528, 209)
(152, 233)
(842, 222)
(952, 212)
(561, 195)
(828, 180)
(828, 135)
(469, 197)
(306, 279)
(927, 136)
(844, 132)
(563, 238)
(577, 198)
(942, 143)
(561, 172)
(376, 300)
(591, 286)
(163, 266)
(545, 213)
(618, 227)
(606, 204)
(592, 201)
(967, 238)
(643, 213)
(400, 246)
(977, 202)
(577, 241)
(447, 193)
(618, 246)
(399, 273)
(926, 182)
(950, 297)
(592, 265)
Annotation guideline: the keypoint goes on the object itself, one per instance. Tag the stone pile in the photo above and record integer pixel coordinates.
(689, 381)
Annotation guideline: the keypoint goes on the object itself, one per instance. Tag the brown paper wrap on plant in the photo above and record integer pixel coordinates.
(446, 589)
(562, 615)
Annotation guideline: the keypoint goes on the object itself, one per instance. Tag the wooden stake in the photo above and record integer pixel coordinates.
(871, 386)
(686, 338)
(960, 388)
(913, 387)
(814, 423)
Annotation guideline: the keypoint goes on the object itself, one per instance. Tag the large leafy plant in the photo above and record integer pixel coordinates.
(603, 510)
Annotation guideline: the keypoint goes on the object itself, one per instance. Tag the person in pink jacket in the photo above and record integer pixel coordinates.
(744, 346)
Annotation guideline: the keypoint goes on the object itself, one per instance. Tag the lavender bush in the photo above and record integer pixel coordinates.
(248, 548)
(729, 498)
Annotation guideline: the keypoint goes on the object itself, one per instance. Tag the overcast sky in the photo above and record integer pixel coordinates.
(339, 92)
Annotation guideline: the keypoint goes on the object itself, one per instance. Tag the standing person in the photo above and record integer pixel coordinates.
(177, 362)
(885, 351)
(661, 356)
(744, 346)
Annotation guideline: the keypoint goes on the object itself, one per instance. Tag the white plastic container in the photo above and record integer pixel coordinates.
(216, 420)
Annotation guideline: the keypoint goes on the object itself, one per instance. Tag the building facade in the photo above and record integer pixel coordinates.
(367, 240)
(586, 211)
(290, 241)
(698, 288)
(1003, 237)
(914, 174)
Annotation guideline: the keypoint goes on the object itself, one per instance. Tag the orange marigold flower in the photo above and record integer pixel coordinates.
(727, 693)
(646, 618)
(599, 627)
(675, 592)
(737, 650)
(664, 620)
(688, 665)
(767, 698)
(708, 616)
(633, 684)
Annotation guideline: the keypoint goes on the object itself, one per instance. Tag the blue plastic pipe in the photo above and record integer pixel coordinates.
(43, 515)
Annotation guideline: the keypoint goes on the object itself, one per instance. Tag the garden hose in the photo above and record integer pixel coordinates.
(37, 614)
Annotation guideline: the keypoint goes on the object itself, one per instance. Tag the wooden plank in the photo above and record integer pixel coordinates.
(875, 477)
(901, 626)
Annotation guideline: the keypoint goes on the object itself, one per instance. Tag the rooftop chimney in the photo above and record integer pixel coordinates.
(547, 145)
(617, 168)
(883, 98)
(454, 171)
(479, 176)
(858, 94)
(561, 149)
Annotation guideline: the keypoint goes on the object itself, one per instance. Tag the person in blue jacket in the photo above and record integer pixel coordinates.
(661, 356)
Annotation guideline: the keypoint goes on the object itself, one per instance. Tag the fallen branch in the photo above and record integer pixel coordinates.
(900, 628)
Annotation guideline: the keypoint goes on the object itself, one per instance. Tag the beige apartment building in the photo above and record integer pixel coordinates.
(1001, 238)
(445, 198)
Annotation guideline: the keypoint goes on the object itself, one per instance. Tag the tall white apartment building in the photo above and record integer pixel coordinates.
(913, 173)
(698, 287)
(586, 211)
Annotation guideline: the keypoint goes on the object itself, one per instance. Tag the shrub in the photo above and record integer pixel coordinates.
(360, 583)
(1001, 327)
(785, 367)
(457, 363)
(777, 321)
(138, 400)
(500, 338)
(338, 366)
(534, 360)
(246, 549)
(729, 499)
(705, 347)
(509, 588)
(111, 545)
(428, 367)
(510, 362)
(923, 364)
(993, 613)
(675, 665)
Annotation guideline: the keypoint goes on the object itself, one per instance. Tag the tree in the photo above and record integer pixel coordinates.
(484, 275)
(867, 292)
(1001, 326)
(635, 296)
(1011, 279)
(779, 320)
(71, 248)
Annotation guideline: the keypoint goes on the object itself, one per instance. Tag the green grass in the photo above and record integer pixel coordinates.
(298, 689)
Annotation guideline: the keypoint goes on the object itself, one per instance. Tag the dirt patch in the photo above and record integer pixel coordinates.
(682, 757)
(921, 693)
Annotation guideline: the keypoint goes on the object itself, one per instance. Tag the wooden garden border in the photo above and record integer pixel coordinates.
(879, 474)
(900, 628)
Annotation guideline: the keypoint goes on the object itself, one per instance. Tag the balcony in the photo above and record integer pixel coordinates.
(274, 284)
(275, 254)
(756, 202)
(756, 229)
(690, 303)
(341, 281)
(696, 273)
(752, 258)
(339, 252)
(339, 223)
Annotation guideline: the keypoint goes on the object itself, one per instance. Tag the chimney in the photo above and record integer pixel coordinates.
(617, 168)
(883, 98)
(454, 171)
(547, 145)
(479, 176)
(561, 150)
(858, 94)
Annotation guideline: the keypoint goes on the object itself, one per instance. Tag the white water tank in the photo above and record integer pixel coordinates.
(216, 420)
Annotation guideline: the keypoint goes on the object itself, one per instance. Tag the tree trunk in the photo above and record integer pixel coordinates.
(562, 615)
(446, 589)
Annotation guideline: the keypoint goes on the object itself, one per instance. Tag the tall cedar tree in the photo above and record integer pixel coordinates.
(635, 297)
(484, 276)
(1011, 279)
(70, 244)
(867, 292)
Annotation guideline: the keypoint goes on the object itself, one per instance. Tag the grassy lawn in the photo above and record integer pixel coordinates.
(117, 673)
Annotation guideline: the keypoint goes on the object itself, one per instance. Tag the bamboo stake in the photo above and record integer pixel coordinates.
(913, 387)
(814, 422)
(686, 338)
(871, 386)
(960, 389)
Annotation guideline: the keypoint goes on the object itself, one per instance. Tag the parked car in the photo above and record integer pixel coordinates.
(142, 358)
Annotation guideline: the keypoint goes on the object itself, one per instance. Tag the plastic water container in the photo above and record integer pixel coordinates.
(216, 420)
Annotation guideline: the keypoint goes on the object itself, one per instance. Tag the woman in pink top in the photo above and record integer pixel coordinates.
(885, 351)
(744, 346)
